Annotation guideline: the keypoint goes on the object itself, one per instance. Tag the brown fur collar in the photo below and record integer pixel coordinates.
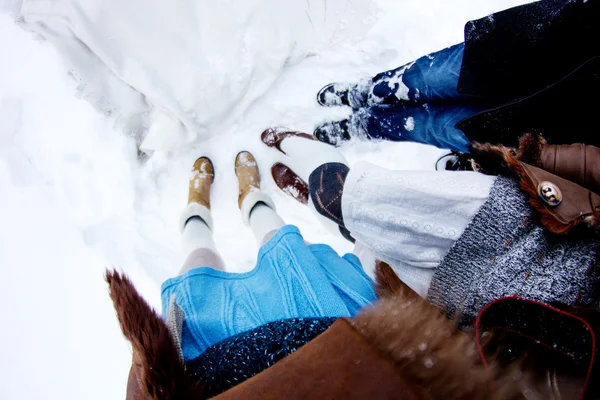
(500, 160)
(157, 372)
(491, 159)
(427, 347)
(530, 149)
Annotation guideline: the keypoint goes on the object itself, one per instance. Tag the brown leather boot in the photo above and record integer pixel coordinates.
(246, 170)
(203, 175)
(201, 179)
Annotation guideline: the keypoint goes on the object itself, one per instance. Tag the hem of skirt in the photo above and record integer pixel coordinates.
(266, 248)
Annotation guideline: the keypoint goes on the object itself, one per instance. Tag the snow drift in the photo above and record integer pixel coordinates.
(158, 66)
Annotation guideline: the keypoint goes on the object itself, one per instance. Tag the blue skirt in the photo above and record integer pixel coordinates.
(291, 280)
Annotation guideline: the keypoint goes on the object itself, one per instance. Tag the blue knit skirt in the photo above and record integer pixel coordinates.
(291, 280)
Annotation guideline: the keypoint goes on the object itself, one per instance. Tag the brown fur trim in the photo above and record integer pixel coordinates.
(491, 159)
(157, 367)
(430, 351)
(387, 283)
(592, 222)
(530, 149)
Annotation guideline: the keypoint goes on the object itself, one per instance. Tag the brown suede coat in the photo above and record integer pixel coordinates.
(339, 364)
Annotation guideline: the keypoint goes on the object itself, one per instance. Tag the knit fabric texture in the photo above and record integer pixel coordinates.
(232, 361)
(175, 325)
(506, 252)
(291, 280)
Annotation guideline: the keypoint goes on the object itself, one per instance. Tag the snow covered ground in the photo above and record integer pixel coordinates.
(75, 199)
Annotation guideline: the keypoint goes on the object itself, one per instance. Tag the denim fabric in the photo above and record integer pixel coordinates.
(420, 102)
(431, 124)
(432, 78)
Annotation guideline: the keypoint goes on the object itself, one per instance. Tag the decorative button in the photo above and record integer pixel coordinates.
(550, 194)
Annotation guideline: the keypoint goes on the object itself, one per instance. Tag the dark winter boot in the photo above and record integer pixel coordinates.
(342, 94)
(333, 133)
(290, 183)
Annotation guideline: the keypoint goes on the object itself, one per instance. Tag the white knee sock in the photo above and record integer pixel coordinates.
(202, 258)
(197, 235)
(307, 155)
(264, 220)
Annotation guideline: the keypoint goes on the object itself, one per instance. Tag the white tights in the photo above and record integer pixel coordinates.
(198, 243)
(304, 155)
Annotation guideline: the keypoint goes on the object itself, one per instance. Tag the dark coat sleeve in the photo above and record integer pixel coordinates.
(522, 50)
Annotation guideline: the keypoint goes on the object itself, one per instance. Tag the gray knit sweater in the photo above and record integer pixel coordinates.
(505, 252)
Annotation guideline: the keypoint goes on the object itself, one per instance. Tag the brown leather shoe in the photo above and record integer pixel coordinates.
(290, 183)
(203, 175)
(246, 170)
(273, 137)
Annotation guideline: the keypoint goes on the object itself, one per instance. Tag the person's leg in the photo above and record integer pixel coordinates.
(431, 78)
(196, 234)
(257, 207)
(264, 222)
(196, 221)
(306, 155)
(198, 244)
(432, 124)
(304, 158)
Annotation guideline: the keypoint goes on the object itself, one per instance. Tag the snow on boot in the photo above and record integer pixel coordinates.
(333, 133)
(290, 183)
(201, 179)
(246, 170)
(343, 94)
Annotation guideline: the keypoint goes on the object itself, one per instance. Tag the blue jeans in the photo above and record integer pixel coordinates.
(420, 102)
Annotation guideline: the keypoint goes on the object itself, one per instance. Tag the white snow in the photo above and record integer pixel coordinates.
(162, 83)
(402, 90)
(75, 198)
(409, 124)
(292, 191)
